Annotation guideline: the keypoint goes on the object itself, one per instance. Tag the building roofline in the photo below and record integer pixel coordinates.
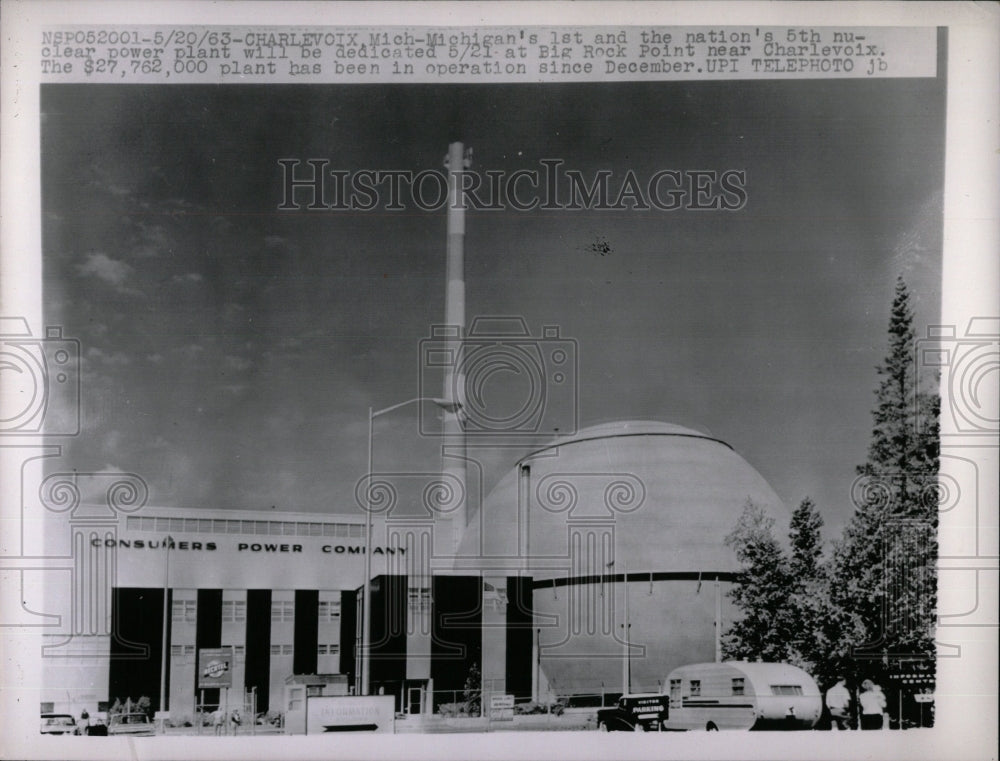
(624, 434)
(223, 513)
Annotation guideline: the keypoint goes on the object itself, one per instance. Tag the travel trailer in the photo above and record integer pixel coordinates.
(742, 695)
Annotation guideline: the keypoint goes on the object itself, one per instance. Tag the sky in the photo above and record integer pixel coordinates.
(230, 350)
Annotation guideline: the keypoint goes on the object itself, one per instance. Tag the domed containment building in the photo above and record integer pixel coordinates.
(561, 532)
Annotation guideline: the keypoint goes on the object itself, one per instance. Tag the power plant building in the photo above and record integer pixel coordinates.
(533, 597)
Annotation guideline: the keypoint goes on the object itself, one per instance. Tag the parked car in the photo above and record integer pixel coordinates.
(132, 724)
(97, 728)
(635, 713)
(59, 724)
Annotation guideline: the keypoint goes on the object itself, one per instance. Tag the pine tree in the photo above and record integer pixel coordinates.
(473, 691)
(903, 454)
(783, 599)
(765, 629)
(809, 646)
(804, 533)
(883, 582)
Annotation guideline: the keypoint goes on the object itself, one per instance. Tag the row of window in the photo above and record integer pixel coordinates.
(182, 650)
(255, 528)
(738, 688)
(240, 650)
(235, 611)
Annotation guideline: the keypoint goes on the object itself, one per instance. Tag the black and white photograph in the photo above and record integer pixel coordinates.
(501, 384)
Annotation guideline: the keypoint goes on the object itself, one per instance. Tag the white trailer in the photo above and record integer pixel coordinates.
(742, 695)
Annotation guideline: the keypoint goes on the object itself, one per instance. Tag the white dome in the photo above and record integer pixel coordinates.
(670, 493)
(651, 498)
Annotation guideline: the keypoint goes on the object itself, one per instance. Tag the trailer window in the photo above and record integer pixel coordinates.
(695, 687)
(738, 686)
(786, 689)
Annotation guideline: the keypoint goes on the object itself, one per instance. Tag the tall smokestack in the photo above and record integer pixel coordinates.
(454, 380)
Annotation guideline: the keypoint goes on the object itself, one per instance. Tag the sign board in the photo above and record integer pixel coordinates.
(501, 708)
(215, 667)
(369, 713)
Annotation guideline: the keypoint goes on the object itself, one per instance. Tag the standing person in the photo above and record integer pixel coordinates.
(872, 701)
(83, 726)
(838, 701)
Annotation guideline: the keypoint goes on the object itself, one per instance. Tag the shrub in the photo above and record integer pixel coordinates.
(272, 718)
(144, 705)
(556, 708)
(453, 710)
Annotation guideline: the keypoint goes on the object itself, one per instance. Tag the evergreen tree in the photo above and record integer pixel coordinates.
(871, 608)
(809, 647)
(473, 691)
(765, 629)
(903, 454)
(883, 582)
(804, 533)
(783, 599)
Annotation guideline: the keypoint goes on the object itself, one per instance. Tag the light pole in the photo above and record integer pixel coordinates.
(165, 656)
(448, 406)
(627, 626)
(718, 621)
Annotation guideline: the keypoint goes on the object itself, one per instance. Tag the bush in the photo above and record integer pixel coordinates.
(271, 718)
(453, 710)
(142, 705)
(524, 709)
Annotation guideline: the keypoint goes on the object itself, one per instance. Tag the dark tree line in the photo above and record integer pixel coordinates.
(867, 610)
